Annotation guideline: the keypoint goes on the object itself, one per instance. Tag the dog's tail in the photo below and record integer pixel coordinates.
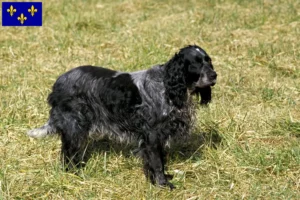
(43, 131)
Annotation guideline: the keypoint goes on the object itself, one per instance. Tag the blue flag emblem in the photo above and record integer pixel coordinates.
(22, 14)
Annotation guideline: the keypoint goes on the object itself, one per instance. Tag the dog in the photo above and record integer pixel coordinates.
(150, 106)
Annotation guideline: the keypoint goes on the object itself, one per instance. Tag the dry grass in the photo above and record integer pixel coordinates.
(249, 137)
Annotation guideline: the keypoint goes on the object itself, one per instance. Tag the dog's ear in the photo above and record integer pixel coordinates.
(205, 94)
(174, 80)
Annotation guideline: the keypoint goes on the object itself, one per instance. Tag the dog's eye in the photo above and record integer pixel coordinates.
(199, 60)
(207, 59)
(193, 69)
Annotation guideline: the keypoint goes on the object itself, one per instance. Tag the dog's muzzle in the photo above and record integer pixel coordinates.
(213, 78)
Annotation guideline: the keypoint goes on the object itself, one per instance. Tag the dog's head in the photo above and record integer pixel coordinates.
(199, 69)
(191, 69)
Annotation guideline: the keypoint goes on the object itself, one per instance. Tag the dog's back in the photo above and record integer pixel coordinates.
(90, 96)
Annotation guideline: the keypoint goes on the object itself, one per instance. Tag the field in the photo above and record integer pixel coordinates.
(246, 143)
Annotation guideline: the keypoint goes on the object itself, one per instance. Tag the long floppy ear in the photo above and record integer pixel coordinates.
(174, 80)
(205, 94)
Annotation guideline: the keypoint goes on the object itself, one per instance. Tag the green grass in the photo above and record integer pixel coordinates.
(248, 143)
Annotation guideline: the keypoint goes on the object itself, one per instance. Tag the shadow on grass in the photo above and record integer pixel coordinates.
(182, 150)
(109, 146)
(193, 146)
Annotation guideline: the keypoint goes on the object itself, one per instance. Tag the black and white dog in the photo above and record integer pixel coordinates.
(149, 106)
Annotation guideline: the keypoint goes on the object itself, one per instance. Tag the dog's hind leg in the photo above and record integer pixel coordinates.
(154, 164)
(73, 149)
(74, 143)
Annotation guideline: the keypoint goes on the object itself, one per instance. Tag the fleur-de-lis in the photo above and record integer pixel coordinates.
(22, 18)
(11, 10)
(32, 10)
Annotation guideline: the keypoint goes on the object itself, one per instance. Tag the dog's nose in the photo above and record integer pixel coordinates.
(213, 75)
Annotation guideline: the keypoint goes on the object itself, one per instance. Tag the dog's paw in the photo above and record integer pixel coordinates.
(170, 185)
(165, 183)
(169, 176)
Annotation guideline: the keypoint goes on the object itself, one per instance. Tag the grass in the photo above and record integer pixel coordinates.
(248, 143)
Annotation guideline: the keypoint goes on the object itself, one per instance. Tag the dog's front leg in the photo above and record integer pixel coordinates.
(153, 159)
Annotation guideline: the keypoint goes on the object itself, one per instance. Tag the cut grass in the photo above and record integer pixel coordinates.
(246, 145)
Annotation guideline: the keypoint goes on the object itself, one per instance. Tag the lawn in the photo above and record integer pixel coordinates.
(246, 143)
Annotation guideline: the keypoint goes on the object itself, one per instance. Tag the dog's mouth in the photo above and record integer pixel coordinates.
(196, 86)
(212, 84)
(203, 84)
